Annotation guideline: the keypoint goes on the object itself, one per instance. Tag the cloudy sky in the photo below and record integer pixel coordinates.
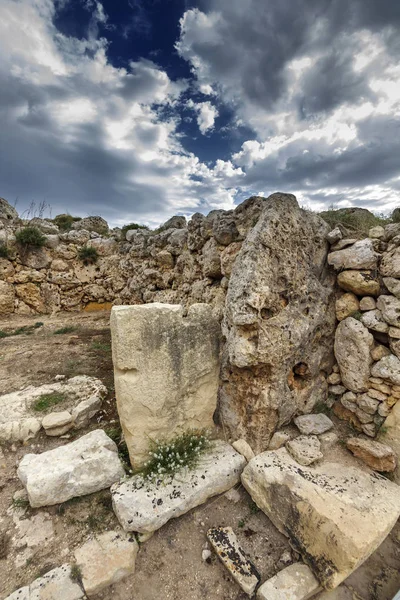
(140, 109)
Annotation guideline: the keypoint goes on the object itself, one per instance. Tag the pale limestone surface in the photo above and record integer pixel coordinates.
(388, 368)
(55, 585)
(360, 255)
(305, 449)
(390, 309)
(233, 557)
(313, 424)
(376, 455)
(391, 435)
(244, 449)
(145, 506)
(166, 368)
(84, 466)
(353, 345)
(354, 509)
(106, 559)
(296, 582)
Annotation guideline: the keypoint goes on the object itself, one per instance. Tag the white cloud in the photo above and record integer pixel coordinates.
(206, 114)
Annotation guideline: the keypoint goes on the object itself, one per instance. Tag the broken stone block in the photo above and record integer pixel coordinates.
(84, 466)
(57, 423)
(166, 368)
(233, 557)
(387, 368)
(244, 449)
(379, 457)
(143, 506)
(360, 255)
(353, 509)
(313, 424)
(278, 440)
(106, 559)
(390, 434)
(55, 585)
(296, 582)
(85, 411)
(353, 344)
(362, 283)
(305, 449)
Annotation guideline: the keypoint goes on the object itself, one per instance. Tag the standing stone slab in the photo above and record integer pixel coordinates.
(353, 345)
(146, 506)
(166, 368)
(296, 582)
(82, 467)
(335, 516)
(233, 557)
(106, 559)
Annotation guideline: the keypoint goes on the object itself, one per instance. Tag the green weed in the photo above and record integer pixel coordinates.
(30, 237)
(68, 329)
(46, 401)
(88, 255)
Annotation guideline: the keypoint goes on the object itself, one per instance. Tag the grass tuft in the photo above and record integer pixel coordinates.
(27, 329)
(76, 573)
(88, 255)
(30, 237)
(47, 401)
(4, 252)
(68, 329)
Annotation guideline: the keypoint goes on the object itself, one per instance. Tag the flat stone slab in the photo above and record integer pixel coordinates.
(296, 582)
(20, 422)
(305, 449)
(145, 506)
(379, 457)
(234, 558)
(334, 516)
(106, 559)
(313, 424)
(84, 466)
(55, 585)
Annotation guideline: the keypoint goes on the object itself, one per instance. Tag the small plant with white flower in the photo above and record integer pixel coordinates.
(167, 458)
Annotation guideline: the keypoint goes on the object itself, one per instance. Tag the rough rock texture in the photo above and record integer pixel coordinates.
(353, 345)
(390, 263)
(387, 368)
(166, 368)
(352, 509)
(346, 305)
(296, 582)
(390, 309)
(146, 506)
(305, 449)
(57, 584)
(360, 255)
(379, 457)
(233, 557)
(313, 424)
(84, 466)
(106, 559)
(278, 323)
(7, 295)
(390, 434)
(362, 283)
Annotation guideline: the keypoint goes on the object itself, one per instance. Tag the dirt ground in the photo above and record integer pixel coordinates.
(169, 565)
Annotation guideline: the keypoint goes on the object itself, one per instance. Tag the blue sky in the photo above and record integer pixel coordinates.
(140, 109)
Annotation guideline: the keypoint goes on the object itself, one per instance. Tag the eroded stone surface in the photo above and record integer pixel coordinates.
(379, 457)
(145, 506)
(388, 368)
(166, 369)
(106, 559)
(305, 449)
(233, 557)
(55, 585)
(355, 510)
(84, 466)
(360, 255)
(296, 582)
(313, 424)
(353, 345)
(362, 283)
(390, 434)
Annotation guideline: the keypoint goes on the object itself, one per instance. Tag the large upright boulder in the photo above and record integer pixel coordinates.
(353, 345)
(334, 515)
(279, 322)
(7, 212)
(166, 368)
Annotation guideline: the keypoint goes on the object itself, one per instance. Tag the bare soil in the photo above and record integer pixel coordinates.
(169, 565)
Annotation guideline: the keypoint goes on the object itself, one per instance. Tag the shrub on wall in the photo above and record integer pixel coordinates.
(88, 255)
(65, 222)
(30, 237)
(126, 228)
(3, 251)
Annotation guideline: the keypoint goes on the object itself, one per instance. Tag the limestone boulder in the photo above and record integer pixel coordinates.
(367, 303)
(145, 506)
(334, 236)
(390, 309)
(362, 283)
(30, 294)
(106, 559)
(305, 449)
(353, 509)
(390, 435)
(57, 584)
(346, 305)
(7, 297)
(390, 263)
(82, 467)
(7, 211)
(93, 223)
(360, 255)
(44, 225)
(278, 323)
(393, 285)
(373, 319)
(296, 582)
(313, 424)
(166, 368)
(36, 258)
(353, 345)
(378, 456)
(387, 368)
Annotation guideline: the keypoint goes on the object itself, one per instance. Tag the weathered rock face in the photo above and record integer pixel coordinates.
(7, 212)
(379, 457)
(360, 255)
(391, 436)
(362, 283)
(354, 510)
(82, 467)
(166, 367)
(7, 295)
(278, 323)
(353, 345)
(145, 506)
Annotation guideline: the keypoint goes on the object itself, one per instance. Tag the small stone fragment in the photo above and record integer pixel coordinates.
(343, 244)
(305, 449)
(106, 559)
(233, 557)
(369, 429)
(376, 232)
(57, 421)
(394, 332)
(313, 424)
(373, 319)
(347, 415)
(373, 393)
(244, 449)
(334, 379)
(334, 236)
(367, 404)
(337, 390)
(379, 352)
(346, 306)
(379, 457)
(278, 440)
(85, 411)
(296, 582)
(205, 555)
(367, 303)
(349, 401)
(56, 584)
(387, 368)
(380, 386)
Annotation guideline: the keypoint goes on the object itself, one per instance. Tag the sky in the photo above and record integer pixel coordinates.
(137, 110)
